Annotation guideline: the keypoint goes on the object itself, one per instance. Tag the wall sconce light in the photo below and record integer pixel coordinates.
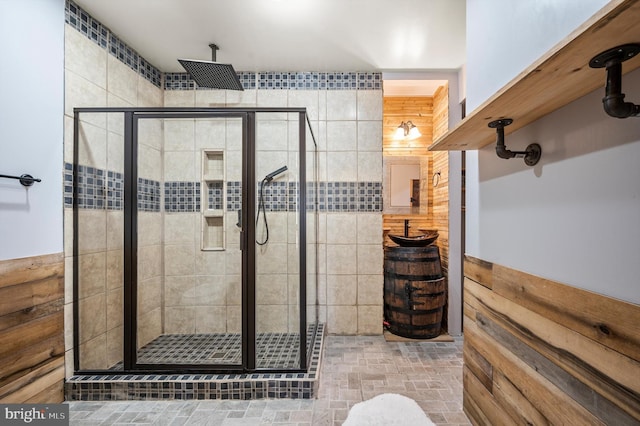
(407, 131)
(612, 60)
(531, 155)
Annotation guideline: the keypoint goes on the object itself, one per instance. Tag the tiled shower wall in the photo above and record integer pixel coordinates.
(347, 125)
(346, 116)
(101, 71)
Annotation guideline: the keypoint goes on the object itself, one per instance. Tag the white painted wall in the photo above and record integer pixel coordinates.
(31, 125)
(574, 217)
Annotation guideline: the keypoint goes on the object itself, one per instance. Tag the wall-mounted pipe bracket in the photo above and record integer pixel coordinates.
(25, 179)
(531, 155)
(612, 60)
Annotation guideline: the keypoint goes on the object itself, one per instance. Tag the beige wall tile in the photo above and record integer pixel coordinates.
(85, 58)
(369, 104)
(180, 228)
(150, 163)
(92, 274)
(115, 349)
(233, 285)
(244, 98)
(115, 120)
(150, 133)
(80, 92)
(68, 326)
(179, 259)
(149, 95)
(115, 151)
(211, 133)
(342, 289)
(68, 364)
(149, 295)
(369, 228)
(68, 232)
(341, 228)
(272, 318)
(179, 98)
(179, 135)
(122, 81)
(149, 327)
(115, 229)
(342, 319)
(115, 308)
(370, 320)
(341, 104)
(180, 319)
(341, 259)
(272, 258)
(93, 317)
(234, 319)
(92, 145)
(210, 98)
(149, 262)
(233, 262)
(341, 136)
(93, 353)
(115, 269)
(180, 291)
(342, 166)
(370, 289)
(272, 135)
(370, 167)
(370, 136)
(211, 319)
(370, 259)
(211, 290)
(180, 166)
(271, 289)
(307, 99)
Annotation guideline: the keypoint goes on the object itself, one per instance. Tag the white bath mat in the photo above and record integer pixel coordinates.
(387, 409)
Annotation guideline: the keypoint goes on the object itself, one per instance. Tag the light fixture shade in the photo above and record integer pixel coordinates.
(400, 132)
(413, 132)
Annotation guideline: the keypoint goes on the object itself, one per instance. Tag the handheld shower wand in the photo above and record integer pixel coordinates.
(268, 178)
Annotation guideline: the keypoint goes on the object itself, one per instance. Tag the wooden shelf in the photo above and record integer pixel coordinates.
(559, 77)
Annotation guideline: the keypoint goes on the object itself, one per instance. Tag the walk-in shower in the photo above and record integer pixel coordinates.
(172, 270)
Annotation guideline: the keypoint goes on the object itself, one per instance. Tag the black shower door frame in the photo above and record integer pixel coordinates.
(247, 238)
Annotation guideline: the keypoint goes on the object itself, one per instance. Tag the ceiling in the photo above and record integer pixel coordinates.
(292, 35)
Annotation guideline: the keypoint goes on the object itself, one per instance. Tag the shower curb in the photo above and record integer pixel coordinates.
(129, 387)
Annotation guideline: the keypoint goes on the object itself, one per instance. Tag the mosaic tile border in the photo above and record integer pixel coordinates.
(182, 197)
(282, 80)
(83, 22)
(201, 386)
(100, 189)
(95, 31)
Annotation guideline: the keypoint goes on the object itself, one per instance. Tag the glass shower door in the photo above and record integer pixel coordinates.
(188, 300)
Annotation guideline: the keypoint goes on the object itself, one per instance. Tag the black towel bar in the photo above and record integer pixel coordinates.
(25, 180)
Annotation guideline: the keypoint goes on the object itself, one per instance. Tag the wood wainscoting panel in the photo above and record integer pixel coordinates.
(556, 354)
(32, 329)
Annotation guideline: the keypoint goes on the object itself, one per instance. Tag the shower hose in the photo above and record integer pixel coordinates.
(261, 207)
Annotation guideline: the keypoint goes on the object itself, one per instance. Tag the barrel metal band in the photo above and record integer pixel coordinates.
(413, 277)
(412, 311)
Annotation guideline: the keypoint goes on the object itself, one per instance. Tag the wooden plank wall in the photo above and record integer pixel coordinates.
(32, 329)
(433, 116)
(418, 110)
(538, 352)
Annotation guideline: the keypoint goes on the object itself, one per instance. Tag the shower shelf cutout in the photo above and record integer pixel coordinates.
(213, 173)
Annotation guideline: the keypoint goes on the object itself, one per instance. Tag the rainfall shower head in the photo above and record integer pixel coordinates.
(212, 74)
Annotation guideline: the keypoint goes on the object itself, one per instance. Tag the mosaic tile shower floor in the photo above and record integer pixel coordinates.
(273, 350)
(354, 369)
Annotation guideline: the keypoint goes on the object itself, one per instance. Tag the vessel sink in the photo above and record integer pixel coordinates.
(416, 240)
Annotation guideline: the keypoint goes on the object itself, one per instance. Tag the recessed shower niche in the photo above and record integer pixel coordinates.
(168, 276)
